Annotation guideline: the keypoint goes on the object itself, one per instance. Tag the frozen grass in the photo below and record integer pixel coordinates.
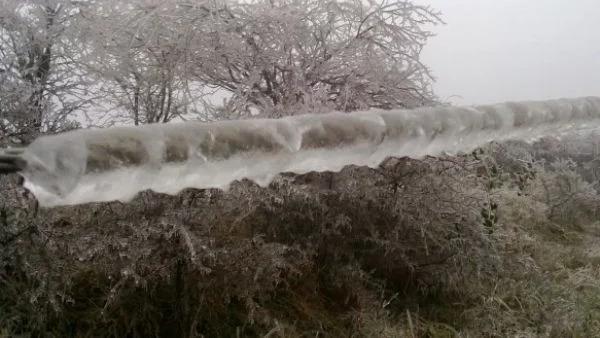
(405, 250)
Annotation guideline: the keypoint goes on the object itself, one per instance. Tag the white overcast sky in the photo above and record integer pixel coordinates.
(500, 50)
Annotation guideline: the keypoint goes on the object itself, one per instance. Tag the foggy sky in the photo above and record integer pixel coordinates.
(499, 50)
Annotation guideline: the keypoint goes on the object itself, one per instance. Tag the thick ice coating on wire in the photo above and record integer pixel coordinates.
(84, 166)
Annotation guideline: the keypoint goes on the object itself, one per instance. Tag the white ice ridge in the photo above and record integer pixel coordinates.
(94, 165)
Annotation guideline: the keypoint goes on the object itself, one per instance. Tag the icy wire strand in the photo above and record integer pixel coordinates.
(82, 166)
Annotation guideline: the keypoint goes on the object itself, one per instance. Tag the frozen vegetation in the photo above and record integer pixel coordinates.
(264, 214)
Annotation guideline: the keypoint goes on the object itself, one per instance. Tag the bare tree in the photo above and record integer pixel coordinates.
(158, 61)
(41, 85)
(140, 54)
(287, 56)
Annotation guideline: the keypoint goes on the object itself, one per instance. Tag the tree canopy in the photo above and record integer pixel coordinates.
(114, 61)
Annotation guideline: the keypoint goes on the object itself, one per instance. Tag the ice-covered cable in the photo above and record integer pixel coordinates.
(94, 165)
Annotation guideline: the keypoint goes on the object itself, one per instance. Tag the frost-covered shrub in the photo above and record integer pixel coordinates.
(212, 261)
(411, 234)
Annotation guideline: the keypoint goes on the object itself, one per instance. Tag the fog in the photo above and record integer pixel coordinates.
(501, 50)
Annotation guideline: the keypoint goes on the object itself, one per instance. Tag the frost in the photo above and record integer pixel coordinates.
(84, 166)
